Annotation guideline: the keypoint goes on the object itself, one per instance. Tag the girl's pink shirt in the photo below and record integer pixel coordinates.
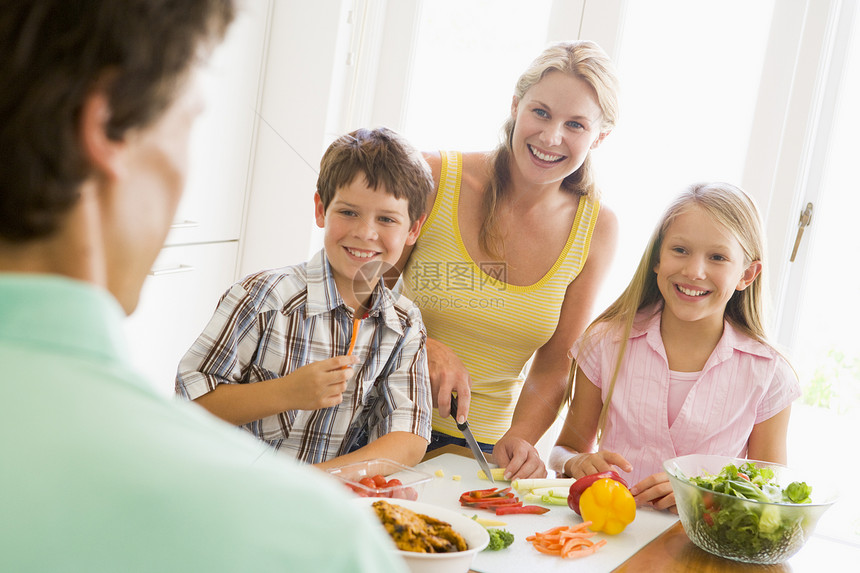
(743, 383)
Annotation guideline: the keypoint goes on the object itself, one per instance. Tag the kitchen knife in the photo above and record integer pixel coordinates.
(471, 441)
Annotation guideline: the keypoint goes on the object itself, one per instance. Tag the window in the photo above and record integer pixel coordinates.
(754, 93)
(468, 56)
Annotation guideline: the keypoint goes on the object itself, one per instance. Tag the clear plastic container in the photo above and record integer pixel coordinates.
(411, 481)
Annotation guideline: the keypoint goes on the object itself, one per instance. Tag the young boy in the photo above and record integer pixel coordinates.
(277, 355)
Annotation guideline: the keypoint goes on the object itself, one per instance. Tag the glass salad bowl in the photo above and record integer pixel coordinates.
(765, 519)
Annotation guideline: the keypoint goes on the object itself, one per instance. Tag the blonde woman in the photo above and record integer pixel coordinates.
(680, 363)
(512, 255)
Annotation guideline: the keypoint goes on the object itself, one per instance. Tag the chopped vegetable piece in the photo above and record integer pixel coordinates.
(499, 539)
(519, 508)
(488, 522)
(553, 500)
(566, 541)
(356, 322)
(455, 478)
(491, 506)
(490, 492)
(440, 473)
(498, 474)
(609, 505)
(539, 483)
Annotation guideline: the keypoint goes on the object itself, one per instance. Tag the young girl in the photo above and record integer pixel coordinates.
(680, 364)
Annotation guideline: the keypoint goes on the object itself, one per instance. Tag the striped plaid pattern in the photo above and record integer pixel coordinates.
(276, 321)
(494, 327)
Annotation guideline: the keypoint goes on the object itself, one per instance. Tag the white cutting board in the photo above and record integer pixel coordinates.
(521, 556)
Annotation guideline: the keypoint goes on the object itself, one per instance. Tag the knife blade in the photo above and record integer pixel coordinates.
(471, 441)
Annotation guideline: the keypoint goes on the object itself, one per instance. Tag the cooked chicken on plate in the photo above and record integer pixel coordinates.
(419, 533)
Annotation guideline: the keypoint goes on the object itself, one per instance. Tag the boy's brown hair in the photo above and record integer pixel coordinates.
(384, 158)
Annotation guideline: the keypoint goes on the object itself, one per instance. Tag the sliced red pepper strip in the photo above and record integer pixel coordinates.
(465, 497)
(533, 509)
(491, 492)
(491, 504)
(481, 492)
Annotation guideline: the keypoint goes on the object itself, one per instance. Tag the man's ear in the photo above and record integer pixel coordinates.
(750, 275)
(319, 211)
(102, 152)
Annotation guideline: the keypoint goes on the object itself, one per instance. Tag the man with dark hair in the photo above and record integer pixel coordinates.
(99, 472)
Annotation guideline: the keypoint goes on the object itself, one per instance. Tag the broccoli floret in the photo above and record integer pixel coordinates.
(499, 539)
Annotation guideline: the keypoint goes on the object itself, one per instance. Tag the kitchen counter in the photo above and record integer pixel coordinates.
(655, 541)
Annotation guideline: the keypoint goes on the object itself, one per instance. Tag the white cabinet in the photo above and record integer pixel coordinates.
(201, 257)
(178, 299)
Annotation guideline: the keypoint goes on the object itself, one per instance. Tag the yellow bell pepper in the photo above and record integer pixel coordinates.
(608, 505)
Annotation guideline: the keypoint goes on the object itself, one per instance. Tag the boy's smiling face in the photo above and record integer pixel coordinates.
(365, 232)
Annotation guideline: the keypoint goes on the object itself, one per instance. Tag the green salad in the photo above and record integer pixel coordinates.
(749, 529)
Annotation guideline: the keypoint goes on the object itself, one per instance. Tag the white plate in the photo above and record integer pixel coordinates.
(475, 534)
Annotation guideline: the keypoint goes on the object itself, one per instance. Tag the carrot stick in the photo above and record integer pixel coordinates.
(355, 324)
(553, 530)
(566, 541)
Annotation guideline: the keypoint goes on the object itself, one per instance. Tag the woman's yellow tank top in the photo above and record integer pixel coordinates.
(494, 327)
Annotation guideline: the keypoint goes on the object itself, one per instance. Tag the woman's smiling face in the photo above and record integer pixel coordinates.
(558, 122)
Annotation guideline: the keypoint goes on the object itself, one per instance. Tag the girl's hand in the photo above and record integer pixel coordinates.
(447, 374)
(581, 465)
(656, 491)
(519, 458)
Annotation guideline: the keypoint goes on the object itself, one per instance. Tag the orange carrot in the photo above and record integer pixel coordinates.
(355, 324)
(566, 541)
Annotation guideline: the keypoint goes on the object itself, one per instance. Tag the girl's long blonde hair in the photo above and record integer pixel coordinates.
(584, 60)
(730, 207)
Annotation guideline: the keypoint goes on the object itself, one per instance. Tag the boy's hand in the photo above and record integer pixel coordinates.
(319, 384)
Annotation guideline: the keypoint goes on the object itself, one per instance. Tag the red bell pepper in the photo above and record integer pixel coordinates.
(533, 509)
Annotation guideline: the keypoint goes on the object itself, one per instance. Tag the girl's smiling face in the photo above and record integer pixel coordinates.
(558, 122)
(701, 265)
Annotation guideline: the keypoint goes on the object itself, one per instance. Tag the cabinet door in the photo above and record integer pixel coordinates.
(177, 301)
(222, 139)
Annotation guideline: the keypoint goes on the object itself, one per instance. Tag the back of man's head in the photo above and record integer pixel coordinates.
(56, 53)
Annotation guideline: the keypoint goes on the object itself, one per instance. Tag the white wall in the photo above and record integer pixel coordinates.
(301, 96)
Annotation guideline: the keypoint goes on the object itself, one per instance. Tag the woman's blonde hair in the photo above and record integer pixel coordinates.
(584, 60)
(730, 207)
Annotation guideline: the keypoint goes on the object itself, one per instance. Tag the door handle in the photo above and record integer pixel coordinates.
(805, 221)
(171, 270)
